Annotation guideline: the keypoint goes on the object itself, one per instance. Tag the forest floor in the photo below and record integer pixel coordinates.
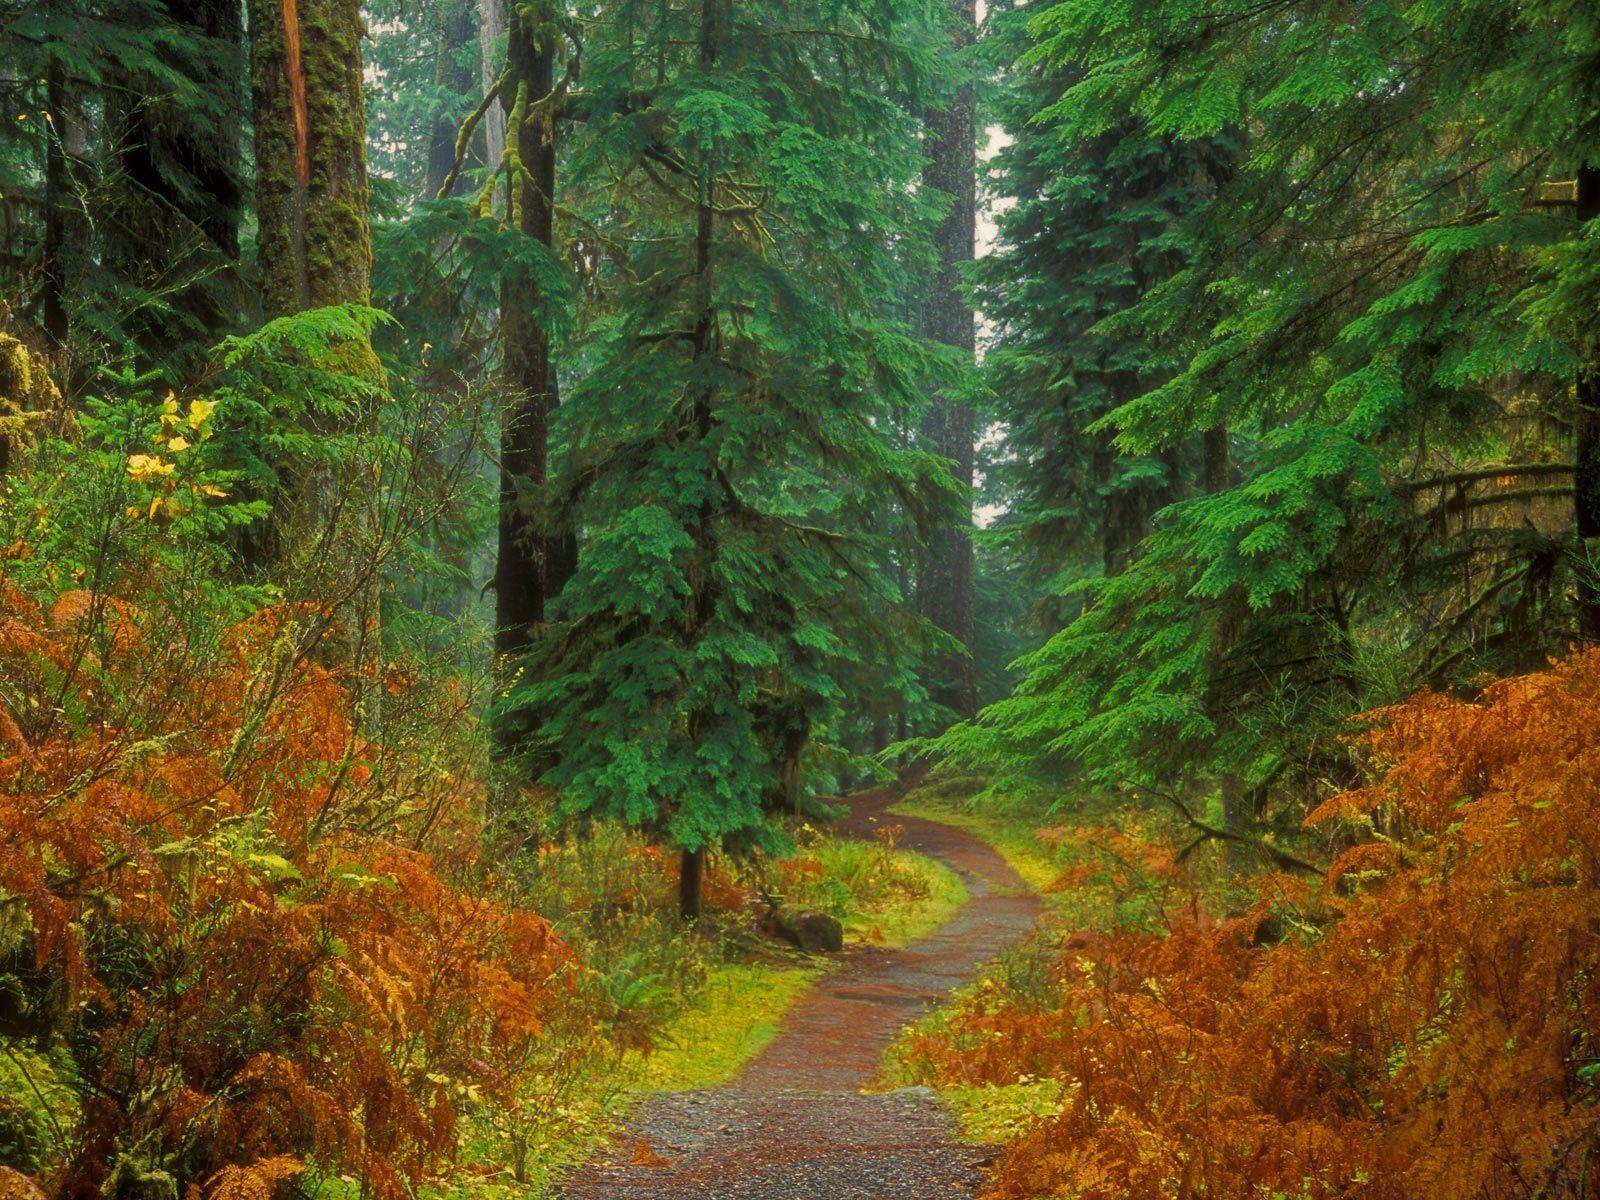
(800, 1123)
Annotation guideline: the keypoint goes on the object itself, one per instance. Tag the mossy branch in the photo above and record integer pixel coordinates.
(464, 135)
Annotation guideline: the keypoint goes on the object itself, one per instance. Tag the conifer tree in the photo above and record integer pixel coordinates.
(532, 562)
(311, 195)
(729, 434)
(945, 588)
(1387, 302)
(176, 186)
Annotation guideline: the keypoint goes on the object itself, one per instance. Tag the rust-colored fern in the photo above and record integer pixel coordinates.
(236, 904)
(1429, 1030)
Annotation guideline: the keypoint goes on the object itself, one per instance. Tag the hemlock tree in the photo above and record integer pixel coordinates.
(533, 559)
(175, 142)
(314, 241)
(1390, 302)
(119, 177)
(1089, 226)
(312, 204)
(944, 589)
(729, 434)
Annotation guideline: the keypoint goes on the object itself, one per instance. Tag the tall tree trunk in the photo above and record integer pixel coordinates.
(691, 884)
(456, 29)
(944, 594)
(1238, 802)
(1217, 466)
(491, 28)
(1586, 439)
(702, 600)
(179, 194)
(311, 154)
(523, 576)
(312, 208)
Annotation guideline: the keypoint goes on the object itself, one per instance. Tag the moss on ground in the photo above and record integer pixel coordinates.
(993, 1114)
(732, 1020)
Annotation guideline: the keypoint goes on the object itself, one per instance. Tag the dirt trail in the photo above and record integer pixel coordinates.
(794, 1125)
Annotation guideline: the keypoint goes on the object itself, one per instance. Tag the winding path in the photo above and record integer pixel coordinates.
(795, 1125)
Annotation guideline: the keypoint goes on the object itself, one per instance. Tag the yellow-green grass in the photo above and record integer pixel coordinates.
(882, 897)
(992, 1114)
(901, 922)
(731, 1021)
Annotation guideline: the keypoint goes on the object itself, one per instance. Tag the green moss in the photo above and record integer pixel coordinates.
(38, 1110)
(731, 1021)
(992, 1114)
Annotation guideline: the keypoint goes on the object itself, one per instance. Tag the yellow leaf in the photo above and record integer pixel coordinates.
(146, 468)
(178, 444)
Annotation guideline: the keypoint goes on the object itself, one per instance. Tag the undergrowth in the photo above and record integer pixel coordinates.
(1416, 1021)
(882, 894)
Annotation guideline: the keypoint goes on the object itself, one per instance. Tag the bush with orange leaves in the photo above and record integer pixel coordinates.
(1424, 1024)
(227, 908)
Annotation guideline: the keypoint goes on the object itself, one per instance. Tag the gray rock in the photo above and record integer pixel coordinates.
(813, 931)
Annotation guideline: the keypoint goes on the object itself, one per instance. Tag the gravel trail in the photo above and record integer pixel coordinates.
(795, 1124)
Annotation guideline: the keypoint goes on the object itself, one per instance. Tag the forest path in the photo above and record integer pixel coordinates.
(795, 1124)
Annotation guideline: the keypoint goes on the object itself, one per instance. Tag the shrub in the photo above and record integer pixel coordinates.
(232, 908)
(1422, 1025)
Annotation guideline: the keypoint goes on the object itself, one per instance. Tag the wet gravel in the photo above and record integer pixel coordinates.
(796, 1125)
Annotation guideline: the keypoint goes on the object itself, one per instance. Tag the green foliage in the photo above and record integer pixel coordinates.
(1379, 299)
(728, 435)
(120, 123)
(881, 894)
(38, 1109)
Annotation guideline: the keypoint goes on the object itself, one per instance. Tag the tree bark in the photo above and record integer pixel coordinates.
(525, 572)
(702, 602)
(491, 28)
(311, 154)
(1586, 446)
(66, 229)
(691, 884)
(315, 242)
(1217, 467)
(945, 591)
(1238, 802)
(456, 29)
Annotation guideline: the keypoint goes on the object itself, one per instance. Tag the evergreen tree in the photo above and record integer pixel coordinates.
(119, 190)
(313, 209)
(176, 186)
(1087, 228)
(1388, 302)
(945, 585)
(729, 436)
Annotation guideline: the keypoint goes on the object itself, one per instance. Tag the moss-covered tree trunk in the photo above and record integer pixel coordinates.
(945, 589)
(312, 205)
(311, 154)
(491, 28)
(526, 568)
